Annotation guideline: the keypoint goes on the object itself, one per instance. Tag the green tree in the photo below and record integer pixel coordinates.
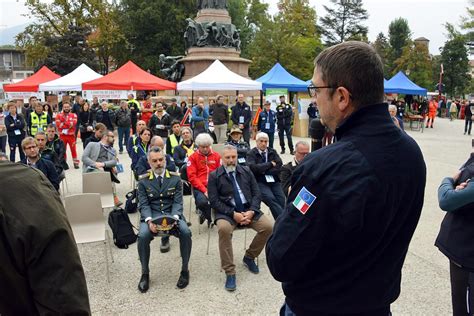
(382, 47)
(454, 56)
(399, 35)
(415, 61)
(152, 28)
(344, 22)
(468, 24)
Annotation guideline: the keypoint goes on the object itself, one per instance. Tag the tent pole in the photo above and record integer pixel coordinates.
(192, 98)
(261, 99)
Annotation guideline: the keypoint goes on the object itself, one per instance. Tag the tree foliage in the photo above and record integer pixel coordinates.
(290, 38)
(382, 47)
(416, 62)
(344, 22)
(399, 36)
(454, 56)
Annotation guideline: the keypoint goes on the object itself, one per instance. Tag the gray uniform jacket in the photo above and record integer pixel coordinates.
(155, 199)
(91, 154)
(221, 192)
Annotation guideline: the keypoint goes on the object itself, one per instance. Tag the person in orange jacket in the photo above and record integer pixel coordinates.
(200, 164)
(432, 110)
(66, 123)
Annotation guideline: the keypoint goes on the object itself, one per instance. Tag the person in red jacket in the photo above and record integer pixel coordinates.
(66, 123)
(200, 164)
(432, 110)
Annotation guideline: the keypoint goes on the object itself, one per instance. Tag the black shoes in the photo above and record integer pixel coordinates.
(292, 152)
(165, 244)
(282, 152)
(144, 283)
(183, 280)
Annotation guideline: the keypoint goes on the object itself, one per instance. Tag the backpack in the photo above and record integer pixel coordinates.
(131, 205)
(121, 227)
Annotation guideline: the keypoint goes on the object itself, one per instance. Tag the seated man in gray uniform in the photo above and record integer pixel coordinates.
(161, 194)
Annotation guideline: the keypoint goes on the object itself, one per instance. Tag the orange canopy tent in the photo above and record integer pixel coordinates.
(31, 83)
(129, 77)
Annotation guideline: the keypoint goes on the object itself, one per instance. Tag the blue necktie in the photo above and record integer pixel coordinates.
(239, 206)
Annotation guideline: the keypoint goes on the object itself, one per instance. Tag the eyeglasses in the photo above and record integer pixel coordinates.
(313, 90)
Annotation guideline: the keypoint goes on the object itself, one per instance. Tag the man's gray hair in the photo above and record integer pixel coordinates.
(392, 107)
(261, 135)
(154, 139)
(104, 102)
(154, 149)
(187, 128)
(229, 147)
(204, 139)
(301, 143)
(40, 133)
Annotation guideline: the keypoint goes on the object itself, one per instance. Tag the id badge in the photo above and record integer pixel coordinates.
(65, 130)
(160, 126)
(119, 167)
(17, 132)
(241, 160)
(241, 120)
(267, 125)
(269, 178)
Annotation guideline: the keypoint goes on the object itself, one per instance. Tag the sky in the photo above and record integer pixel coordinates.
(425, 17)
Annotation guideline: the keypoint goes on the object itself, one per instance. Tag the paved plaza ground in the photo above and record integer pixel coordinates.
(425, 285)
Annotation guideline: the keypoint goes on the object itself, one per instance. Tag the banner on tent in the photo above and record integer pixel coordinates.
(24, 95)
(107, 94)
(303, 105)
(273, 95)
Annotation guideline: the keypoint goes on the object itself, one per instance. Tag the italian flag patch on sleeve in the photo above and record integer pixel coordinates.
(304, 200)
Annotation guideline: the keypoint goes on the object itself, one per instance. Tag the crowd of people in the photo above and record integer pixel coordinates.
(337, 250)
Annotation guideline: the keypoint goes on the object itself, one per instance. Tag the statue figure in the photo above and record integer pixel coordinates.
(209, 38)
(236, 39)
(223, 37)
(212, 4)
(191, 34)
(171, 68)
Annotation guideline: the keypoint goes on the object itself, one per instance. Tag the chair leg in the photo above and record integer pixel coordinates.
(106, 262)
(245, 239)
(67, 187)
(208, 239)
(109, 242)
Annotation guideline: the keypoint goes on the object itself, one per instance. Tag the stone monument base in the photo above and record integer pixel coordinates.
(199, 58)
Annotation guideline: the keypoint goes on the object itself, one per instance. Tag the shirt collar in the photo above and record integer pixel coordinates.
(162, 175)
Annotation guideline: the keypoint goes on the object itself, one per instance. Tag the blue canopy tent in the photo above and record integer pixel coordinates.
(278, 77)
(401, 84)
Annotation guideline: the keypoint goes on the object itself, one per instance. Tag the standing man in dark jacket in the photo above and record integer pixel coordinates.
(339, 246)
(220, 118)
(267, 122)
(106, 116)
(469, 109)
(134, 107)
(15, 124)
(301, 151)
(123, 122)
(242, 116)
(234, 194)
(265, 165)
(41, 270)
(174, 111)
(285, 124)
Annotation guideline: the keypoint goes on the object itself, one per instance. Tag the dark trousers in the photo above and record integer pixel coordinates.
(145, 236)
(286, 129)
(124, 135)
(246, 134)
(384, 311)
(273, 197)
(3, 143)
(461, 290)
(202, 203)
(15, 142)
(134, 125)
(468, 125)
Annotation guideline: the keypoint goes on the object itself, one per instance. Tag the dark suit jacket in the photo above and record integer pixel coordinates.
(285, 176)
(48, 169)
(154, 200)
(260, 168)
(221, 192)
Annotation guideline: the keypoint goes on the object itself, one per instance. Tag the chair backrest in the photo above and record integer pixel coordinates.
(99, 182)
(84, 212)
(218, 148)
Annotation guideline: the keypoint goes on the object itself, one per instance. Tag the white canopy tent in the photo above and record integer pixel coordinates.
(72, 81)
(218, 77)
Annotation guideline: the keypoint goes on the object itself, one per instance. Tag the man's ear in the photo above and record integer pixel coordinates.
(343, 98)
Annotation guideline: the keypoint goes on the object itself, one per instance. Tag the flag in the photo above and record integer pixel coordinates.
(304, 200)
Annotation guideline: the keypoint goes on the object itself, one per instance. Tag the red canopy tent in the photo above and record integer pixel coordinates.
(129, 77)
(31, 83)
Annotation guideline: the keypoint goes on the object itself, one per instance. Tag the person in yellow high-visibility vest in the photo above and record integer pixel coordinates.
(175, 138)
(134, 107)
(38, 120)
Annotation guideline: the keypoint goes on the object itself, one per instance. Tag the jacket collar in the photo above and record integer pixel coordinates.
(221, 170)
(371, 119)
(152, 175)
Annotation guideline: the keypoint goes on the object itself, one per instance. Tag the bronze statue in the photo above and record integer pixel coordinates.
(171, 68)
(212, 4)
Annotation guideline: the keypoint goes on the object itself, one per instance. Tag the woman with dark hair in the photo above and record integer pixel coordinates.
(86, 123)
(48, 109)
(141, 147)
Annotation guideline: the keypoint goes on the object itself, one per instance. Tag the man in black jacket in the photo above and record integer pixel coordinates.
(339, 246)
(284, 113)
(33, 159)
(174, 111)
(241, 116)
(265, 165)
(106, 116)
(301, 150)
(15, 124)
(234, 195)
(220, 118)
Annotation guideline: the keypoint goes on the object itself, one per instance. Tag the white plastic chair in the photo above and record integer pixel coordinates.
(84, 212)
(99, 182)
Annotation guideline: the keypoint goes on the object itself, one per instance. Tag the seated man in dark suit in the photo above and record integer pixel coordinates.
(234, 195)
(33, 159)
(161, 193)
(301, 150)
(265, 165)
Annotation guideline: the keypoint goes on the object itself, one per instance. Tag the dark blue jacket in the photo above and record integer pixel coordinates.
(264, 118)
(15, 124)
(344, 251)
(243, 110)
(48, 169)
